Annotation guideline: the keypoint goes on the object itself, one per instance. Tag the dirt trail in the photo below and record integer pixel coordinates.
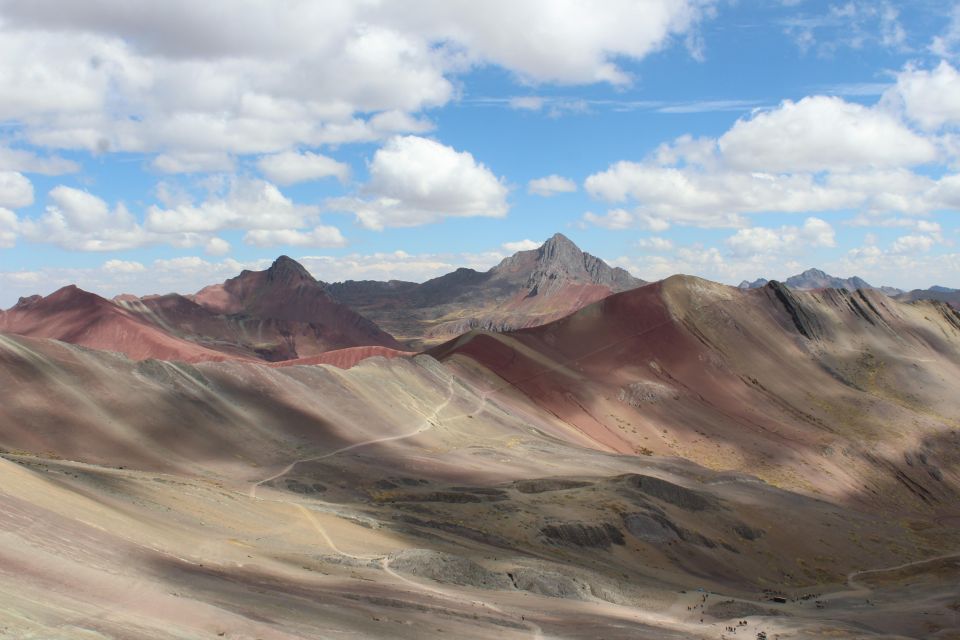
(860, 590)
(428, 422)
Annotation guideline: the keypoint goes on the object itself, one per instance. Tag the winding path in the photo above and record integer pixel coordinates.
(428, 422)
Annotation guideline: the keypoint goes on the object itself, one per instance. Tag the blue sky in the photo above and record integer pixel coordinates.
(147, 149)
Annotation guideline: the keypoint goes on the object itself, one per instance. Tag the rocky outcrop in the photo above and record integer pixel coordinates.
(805, 322)
(670, 493)
(581, 534)
(447, 568)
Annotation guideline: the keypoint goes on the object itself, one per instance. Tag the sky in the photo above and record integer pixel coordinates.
(153, 147)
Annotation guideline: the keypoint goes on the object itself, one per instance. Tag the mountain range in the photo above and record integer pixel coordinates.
(527, 289)
(284, 314)
(817, 279)
(664, 460)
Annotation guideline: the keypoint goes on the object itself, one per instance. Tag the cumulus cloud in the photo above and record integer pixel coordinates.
(822, 133)
(416, 181)
(913, 243)
(622, 219)
(123, 266)
(764, 240)
(209, 78)
(819, 154)
(931, 98)
(655, 243)
(9, 226)
(320, 236)
(521, 245)
(244, 203)
(551, 185)
(15, 190)
(396, 265)
(217, 247)
(291, 167)
(907, 262)
(29, 162)
(193, 162)
(78, 220)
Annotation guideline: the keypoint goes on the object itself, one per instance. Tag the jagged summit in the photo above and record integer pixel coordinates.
(287, 270)
(756, 284)
(559, 247)
(559, 262)
(526, 289)
(814, 279)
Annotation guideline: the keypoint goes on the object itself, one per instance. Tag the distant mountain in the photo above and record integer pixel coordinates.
(527, 289)
(79, 317)
(281, 313)
(756, 284)
(943, 294)
(817, 279)
(814, 279)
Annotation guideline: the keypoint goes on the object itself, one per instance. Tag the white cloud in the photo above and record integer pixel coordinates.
(81, 221)
(320, 236)
(820, 154)
(622, 219)
(944, 45)
(822, 133)
(908, 262)
(527, 103)
(573, 42)
(207, 78)
(9, 226)
(291, 167)
(764, 240)
(30, 162)
(243, 204)
(123, 266)
(416, 181)
(929, 98)
(655, 243)
(551, 185)
(193, 162)
(397, 265)
(853, 24)
(521, 245)
(913, 243)
(15, 190)
(217, 247)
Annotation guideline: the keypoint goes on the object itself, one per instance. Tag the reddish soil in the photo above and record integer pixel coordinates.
(79, 317)
(346, 358)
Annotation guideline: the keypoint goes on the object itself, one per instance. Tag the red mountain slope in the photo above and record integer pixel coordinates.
(799, 388)
(79, 317)
(279, 314)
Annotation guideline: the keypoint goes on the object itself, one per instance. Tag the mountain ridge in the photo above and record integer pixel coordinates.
(526, 289)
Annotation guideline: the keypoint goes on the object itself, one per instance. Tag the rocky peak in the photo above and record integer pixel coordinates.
(817, 279)
(286, 270)
(27, 301)
(559, 249)
(559, 261)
